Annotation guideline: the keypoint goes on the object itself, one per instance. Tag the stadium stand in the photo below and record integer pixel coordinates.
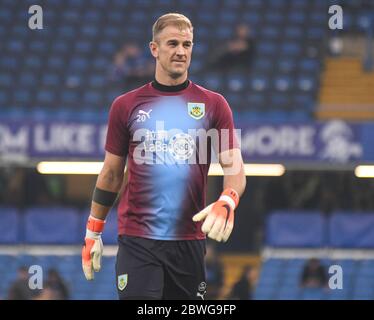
(78, 47)
(280, 276)
(64, 76)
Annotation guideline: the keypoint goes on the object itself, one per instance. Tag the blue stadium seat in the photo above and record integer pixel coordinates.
(51, 80)
(6, 80)
(270, 33)
(115, 16)
(259, 83)
(255, 4)
(79, 64)
(236, 82)
(255, 101)
(227, 17)
(299, 4)
(92, 98)
(223, 32)
(316, 33)
(303, 101)
(233, 98)
(296, 17)
(56, 62)
(46, 97)
(33, 62)
(274, 18)
(69, 97)
(16, 46)
(283, 83)
(5, 15)
(9, 226)
(267, 47)
(67, 31)
(22, 96)
(355, 230)
(89, 31)
(84, 47)
(4, 97)
(111, 32)
(293, 33)
(296, 229)
(309, 65)
(306, 83)
(213, 81)
(92, 16)
(313, 294)
(51, 226)
(251, 17)
(38, 47)
(8, 63)
(290, 49)
(286, 65)
(19, 31)
(229, 4)
(108, 47)
(263, 65)
(60, 47)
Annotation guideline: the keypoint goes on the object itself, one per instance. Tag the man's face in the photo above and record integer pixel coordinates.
(172, 50)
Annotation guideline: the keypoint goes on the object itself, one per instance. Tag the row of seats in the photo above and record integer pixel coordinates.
(280, 280)
(77, 48)
(69, 61)
(70, 269)
(53, 225)
(58, 225)
(303, 229)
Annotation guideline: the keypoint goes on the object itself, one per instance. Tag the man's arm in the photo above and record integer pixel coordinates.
(110, 180)
(106, 190)
(233, 170)
(219, 216)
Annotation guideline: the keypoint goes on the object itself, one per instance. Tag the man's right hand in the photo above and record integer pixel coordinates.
(92, 250)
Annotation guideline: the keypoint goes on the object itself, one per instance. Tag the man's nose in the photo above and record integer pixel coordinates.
(181, 51)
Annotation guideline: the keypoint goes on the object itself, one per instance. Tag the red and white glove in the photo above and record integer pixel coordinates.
(93, 247)
(219, 216)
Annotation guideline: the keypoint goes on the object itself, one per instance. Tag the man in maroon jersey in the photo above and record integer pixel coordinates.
(162, 221)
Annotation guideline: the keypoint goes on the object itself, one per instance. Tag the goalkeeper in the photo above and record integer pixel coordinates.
(162, 223)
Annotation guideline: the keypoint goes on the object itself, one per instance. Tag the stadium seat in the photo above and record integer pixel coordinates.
(51, 225)
(296, 229)
(9, 226)
(354, 230)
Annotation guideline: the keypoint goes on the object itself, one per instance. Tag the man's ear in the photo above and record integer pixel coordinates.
(153, 46)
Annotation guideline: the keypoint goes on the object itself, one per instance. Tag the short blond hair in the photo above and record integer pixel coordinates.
(170, 19)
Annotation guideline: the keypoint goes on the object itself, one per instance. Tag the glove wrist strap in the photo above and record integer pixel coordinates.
(230, 196)
(93, 235)
(95, 225)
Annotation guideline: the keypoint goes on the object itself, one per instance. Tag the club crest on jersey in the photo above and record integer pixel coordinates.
(196, 110)
(122, 281)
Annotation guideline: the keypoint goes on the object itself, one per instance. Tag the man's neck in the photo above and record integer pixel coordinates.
(168, 88)
(166, 80)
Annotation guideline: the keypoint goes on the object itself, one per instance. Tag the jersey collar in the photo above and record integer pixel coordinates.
(162, 87)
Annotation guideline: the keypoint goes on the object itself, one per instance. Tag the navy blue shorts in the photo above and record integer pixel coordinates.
(158, 269)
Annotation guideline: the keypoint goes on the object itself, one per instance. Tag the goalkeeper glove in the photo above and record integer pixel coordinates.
(93, 247)
(219, 216)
